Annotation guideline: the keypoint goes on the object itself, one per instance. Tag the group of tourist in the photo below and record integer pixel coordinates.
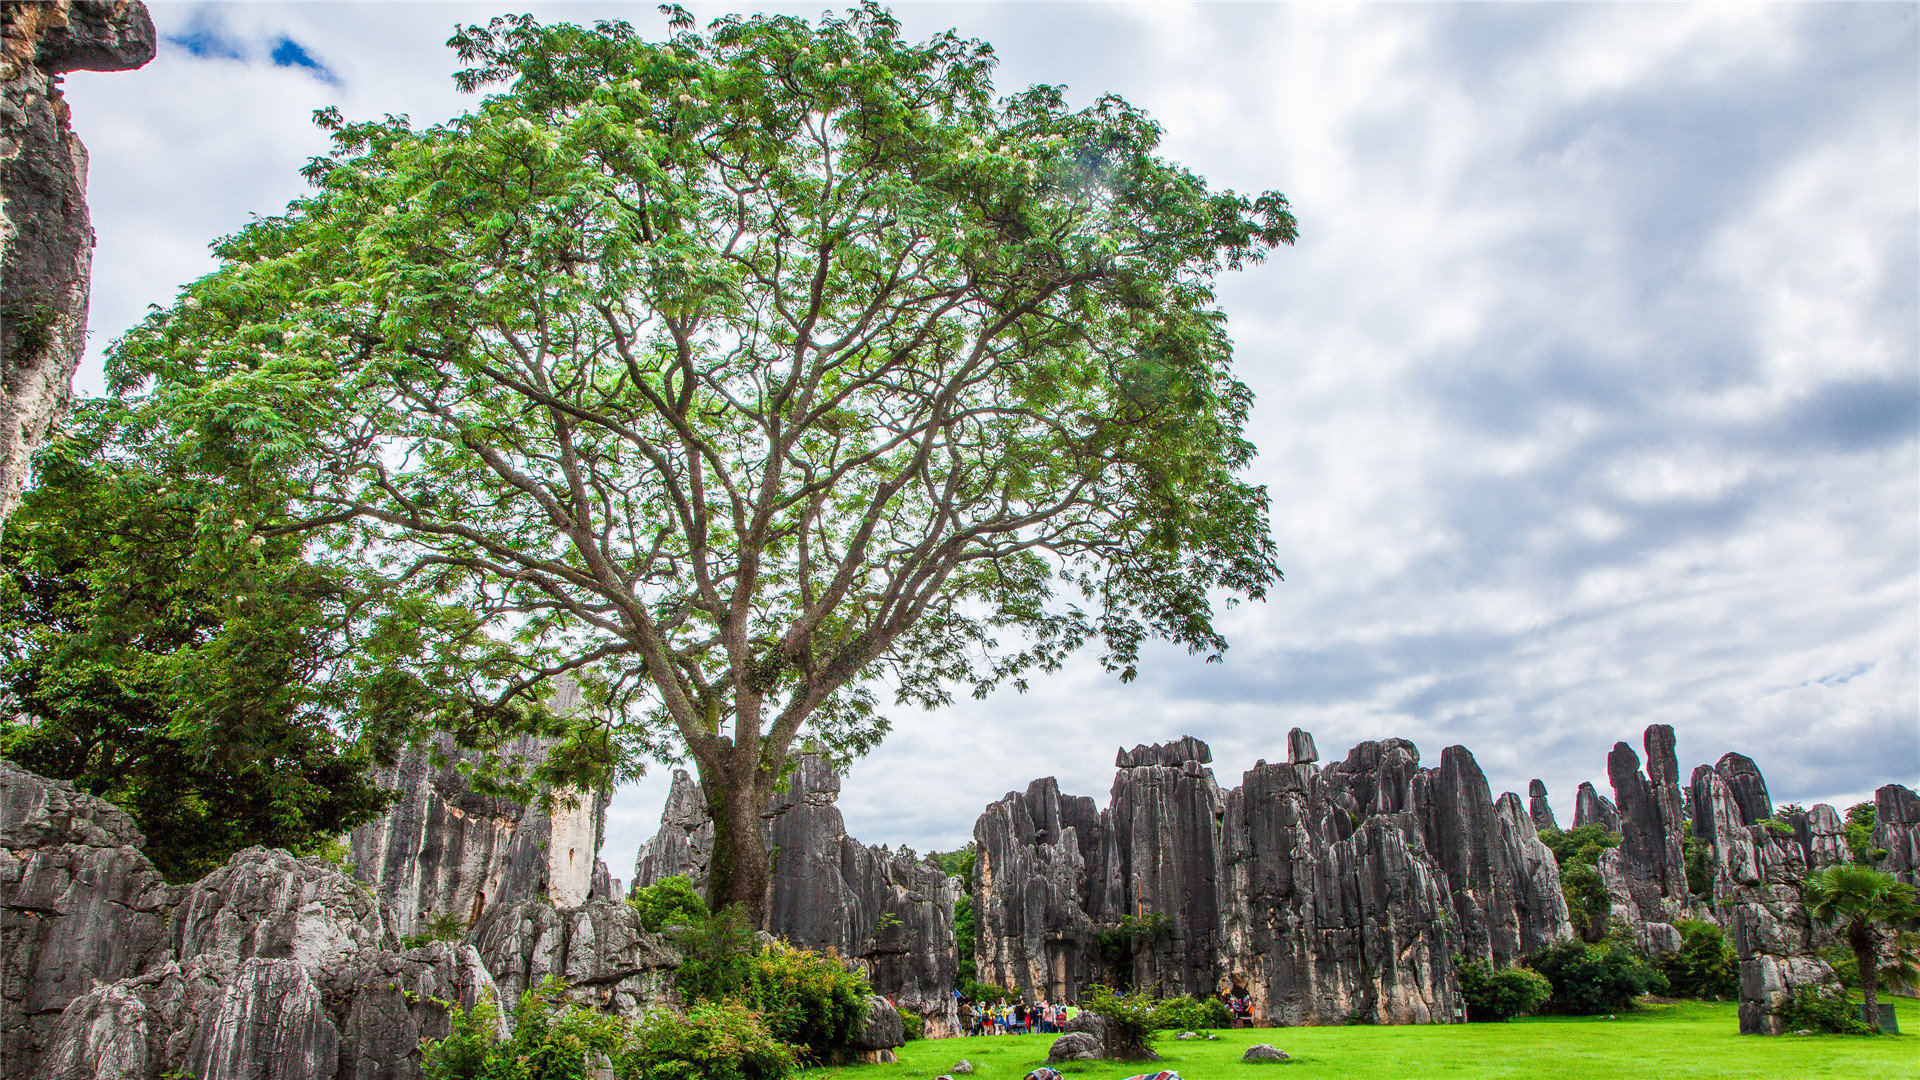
(1018, 1018)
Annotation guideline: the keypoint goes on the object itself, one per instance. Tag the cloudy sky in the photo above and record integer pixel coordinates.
(1589, 398)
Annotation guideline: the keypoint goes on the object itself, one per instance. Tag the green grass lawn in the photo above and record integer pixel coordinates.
(1658, 1041)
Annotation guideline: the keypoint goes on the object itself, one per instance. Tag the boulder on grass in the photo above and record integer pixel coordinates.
(1263, 1052)
(883, 1028)
(1074, 1046)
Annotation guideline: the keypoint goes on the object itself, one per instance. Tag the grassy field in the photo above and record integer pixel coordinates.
(1659, 1041)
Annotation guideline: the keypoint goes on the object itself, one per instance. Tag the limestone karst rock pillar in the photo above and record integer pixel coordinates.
(1592, 808)
(1300, 748)
(1163, 812)
(46, 234)
(1748, 787)
(1539, 810)
(1756, 895)
(445, 849)
(1896, 827)
(1032, 925)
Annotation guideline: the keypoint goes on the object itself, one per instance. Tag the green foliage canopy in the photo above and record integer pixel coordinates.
(1498, 996)
(745, 372)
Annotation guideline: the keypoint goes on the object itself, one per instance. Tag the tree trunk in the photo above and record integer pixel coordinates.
(1860, 937)
(741, 869)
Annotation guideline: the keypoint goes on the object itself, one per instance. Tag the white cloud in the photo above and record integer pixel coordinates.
(1586, 401)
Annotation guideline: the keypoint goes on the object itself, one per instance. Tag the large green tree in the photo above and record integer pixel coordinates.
(751, 374)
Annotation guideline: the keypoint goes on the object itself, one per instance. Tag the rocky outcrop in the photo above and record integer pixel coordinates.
(1896, 829)
(1747, 786)
(46, 234)
(1162, 858)
(684, 844)
(1592, 808)
(1649, 863)
(79, 906)
(445, 849)
(1756, 894)
(608, 958)
(891, 912)
(1539, 810)
(270, 966)
(1330, 920)
(1030, 892)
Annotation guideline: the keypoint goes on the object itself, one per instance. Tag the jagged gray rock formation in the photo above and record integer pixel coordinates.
(1162, 857)
(1592, 808)
(684, 844)
(1539, 810)
(1896, 828)
(1030, 892)
(46, 233)
(79, 905)
(1756, 875)
(1649, 862)
(269, 966)
(1329, 920)
(1300, 748)
(609, 960)
(445, 849)
(893, 913)
(1748, 787)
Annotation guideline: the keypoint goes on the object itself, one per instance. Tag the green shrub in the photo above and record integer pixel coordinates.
(1705, 967)
(671, 901)
(551, 1041)
(717, 953)
(441, 926)
(1824, 1008)
(1191, 1014)
(807, 998)
(711, 1042)
(1498, 996)
(1130, 1020)
(915, 1024)
(1600, 978)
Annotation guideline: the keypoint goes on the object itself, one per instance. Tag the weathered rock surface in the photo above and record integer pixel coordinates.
(882, 1029)
(1074, 1046)
(445, 849)
(266, 903)
(1539, 810)
(79, 905)
(1896, 827)
(608, 958)
(1756, 895)
(893, 913)
(1163, 857)
(1264, 1052)
(1030, 892)
(1329, 920)
(1592, 808)
(1748, 787)
(46, 233)
(270, 1024)
(1300, 748)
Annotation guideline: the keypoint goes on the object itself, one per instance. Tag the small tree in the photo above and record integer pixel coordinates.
(746, 372)
(1859, 900)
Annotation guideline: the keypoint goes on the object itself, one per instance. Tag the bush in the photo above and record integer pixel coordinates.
(1191, 1014)
(671, 901)
(717, 953)
(441, 926)
(915, 1024)
(1589, 979)
(807, 999)
(551, 1041)
(1130, 1021)
(1705, 967)
(713, 1042)
(1824, 1008)
(1499, 996)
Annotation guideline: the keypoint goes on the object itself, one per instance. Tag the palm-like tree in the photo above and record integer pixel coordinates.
(1860, 898)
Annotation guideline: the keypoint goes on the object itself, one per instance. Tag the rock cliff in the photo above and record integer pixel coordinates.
(46, 234)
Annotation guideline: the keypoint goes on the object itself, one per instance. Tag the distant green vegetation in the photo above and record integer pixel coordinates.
(1687, 1041)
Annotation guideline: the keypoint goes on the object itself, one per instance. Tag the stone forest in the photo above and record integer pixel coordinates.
(1329, 893)
(1369, 890)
